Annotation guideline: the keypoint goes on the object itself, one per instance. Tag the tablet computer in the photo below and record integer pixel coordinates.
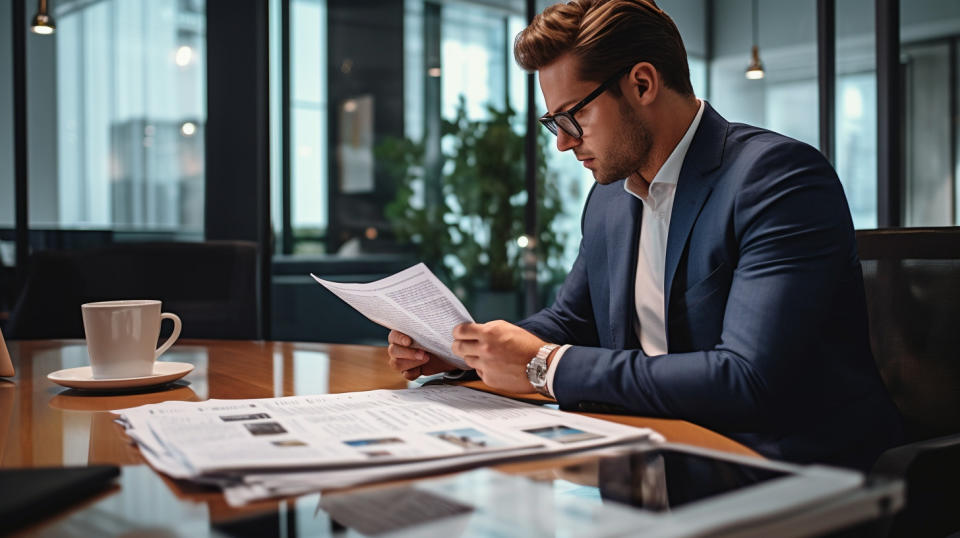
(32, 494)
(651, 489)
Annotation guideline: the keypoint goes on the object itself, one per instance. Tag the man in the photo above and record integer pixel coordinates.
(717, 279)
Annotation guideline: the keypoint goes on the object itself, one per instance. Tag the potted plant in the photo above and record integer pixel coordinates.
(469, 233)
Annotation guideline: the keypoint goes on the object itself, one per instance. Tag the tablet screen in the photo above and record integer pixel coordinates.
(661, 479)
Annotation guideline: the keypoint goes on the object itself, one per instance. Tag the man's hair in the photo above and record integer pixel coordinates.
(606, 36)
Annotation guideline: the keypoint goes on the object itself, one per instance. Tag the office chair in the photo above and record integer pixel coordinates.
(912, 285)
(212, 286)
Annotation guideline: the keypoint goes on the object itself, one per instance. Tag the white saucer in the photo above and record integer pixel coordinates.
(82, 378)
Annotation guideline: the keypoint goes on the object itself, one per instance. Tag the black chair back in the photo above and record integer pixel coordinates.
(912, 284)
(212, 286)
(912, 281)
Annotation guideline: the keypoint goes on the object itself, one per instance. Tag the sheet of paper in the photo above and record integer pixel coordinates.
(414, 302)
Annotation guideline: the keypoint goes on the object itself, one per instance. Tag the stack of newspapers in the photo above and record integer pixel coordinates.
(260, 448)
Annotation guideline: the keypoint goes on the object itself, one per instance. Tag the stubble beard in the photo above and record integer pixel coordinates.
(631, 152)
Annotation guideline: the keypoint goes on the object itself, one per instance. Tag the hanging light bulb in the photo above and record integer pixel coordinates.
(42, 22)
(755, 69)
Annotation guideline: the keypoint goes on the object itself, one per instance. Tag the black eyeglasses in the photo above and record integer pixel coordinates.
(564, 120)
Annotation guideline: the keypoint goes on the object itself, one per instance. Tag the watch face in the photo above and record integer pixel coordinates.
(536, 371)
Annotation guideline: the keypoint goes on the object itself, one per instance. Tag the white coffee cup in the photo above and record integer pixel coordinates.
(122, 335)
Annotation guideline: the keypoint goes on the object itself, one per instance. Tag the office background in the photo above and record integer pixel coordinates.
(353, 139)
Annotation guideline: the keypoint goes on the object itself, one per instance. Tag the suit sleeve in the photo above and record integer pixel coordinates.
(794, 236)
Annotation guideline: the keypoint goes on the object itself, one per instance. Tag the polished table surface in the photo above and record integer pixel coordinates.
(44, 424)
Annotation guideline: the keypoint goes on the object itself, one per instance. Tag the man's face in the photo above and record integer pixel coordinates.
(615, 141)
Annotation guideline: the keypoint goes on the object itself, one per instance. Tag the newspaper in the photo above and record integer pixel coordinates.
(261, 448)
(414, 302)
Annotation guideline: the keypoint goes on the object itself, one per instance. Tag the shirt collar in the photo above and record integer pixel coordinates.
(669, 173)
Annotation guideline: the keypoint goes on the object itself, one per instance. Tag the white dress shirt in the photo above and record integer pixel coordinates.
(654, 227)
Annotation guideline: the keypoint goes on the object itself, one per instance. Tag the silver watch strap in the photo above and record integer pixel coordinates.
(542, 354)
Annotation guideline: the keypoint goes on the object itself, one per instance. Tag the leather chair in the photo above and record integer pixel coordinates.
(212, 286)
(912, 285)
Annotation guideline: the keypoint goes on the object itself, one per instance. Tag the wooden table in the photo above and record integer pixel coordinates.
(44, 424)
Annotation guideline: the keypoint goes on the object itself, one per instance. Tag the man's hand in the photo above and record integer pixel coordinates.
(499, 351)
(410, 361)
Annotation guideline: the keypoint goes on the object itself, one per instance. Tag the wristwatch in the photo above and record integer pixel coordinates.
(537, 369)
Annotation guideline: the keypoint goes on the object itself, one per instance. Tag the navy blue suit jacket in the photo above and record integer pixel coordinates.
(765, 311)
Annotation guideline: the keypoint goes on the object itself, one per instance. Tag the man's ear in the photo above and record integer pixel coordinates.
(643, 81)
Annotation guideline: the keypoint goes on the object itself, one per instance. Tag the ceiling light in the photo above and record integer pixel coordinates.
(42, 23)
(755, 69)
(184, 56)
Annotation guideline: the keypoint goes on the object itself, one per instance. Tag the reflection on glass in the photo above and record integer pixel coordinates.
(8, 397)
(786, 99)
(928, 193)
(308, 124)
(81, 400)
(928, 31)
(856, 158)
(6, 143)
(126, 117)
(473, 56)
(311, 372)
(147, 505)
(856, 109)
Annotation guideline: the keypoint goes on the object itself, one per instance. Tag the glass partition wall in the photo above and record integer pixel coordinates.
(390, 104)
(458, 77)
(372, 108)
(856, 109)
(929, 34)
(7, 207)
(116, 113)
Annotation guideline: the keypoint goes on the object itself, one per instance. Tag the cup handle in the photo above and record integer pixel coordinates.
(173, 337)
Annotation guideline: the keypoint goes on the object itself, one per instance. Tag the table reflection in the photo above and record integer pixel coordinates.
(83, 400)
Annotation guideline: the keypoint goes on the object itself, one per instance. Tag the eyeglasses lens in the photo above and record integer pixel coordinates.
(568, 126)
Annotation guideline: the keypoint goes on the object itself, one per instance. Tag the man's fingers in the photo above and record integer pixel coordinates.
(407, 364)
(397, 337)
(462, 348)
(466, 331)
(412, 373)
(402, 352)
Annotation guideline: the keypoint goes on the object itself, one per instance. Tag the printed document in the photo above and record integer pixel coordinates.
(282, 446)
(414, 302)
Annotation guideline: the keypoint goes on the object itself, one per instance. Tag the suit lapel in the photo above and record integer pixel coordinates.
(693, 189)
(623, 233)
